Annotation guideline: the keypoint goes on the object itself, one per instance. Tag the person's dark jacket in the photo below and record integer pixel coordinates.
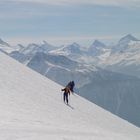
(66, 90)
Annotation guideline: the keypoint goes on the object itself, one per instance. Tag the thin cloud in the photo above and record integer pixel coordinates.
(120, 3)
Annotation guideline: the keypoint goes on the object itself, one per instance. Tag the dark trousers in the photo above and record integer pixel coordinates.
(65, 97)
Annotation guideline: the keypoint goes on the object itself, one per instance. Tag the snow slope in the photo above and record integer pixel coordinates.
(116, 92)
(31, 108)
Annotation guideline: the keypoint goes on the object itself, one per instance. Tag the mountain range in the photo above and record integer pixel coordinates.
(105, 75)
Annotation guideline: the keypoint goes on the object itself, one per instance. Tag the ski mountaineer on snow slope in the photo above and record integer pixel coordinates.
(67, 90)
(65, 94)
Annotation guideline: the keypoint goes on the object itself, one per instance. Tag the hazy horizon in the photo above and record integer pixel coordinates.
(63, 22)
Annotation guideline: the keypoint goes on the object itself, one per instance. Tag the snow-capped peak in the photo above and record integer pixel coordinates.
(4, 43)
(72, 48)
(97, 48)
(124, 44)
(75, 44)
(46, 46)
(46, 43)
(97, 43)
(126, 39)
(30, 49)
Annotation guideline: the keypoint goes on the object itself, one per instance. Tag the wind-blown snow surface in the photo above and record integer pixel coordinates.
(31, 108)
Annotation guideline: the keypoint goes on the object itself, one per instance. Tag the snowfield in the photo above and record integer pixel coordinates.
(31, 108)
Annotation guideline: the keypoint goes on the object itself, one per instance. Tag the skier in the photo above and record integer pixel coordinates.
(65, 94)
(71, 85)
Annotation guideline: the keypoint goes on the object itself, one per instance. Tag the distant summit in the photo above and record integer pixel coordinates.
(123, 43)
(126, 39)
(4, 43)
(96, 48)
(73, 48)
(97, 43)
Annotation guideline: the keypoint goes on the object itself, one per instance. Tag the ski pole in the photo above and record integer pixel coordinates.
(61, 95)
(69, 98)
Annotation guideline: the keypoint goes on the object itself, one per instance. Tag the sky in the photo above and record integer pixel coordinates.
(65, 21)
